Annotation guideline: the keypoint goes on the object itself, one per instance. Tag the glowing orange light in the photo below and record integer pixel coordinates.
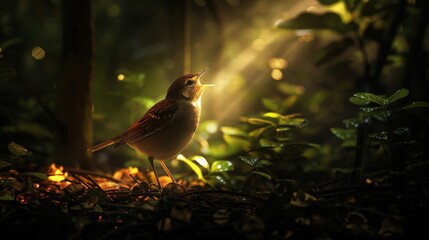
(56, 174)
(133, 170)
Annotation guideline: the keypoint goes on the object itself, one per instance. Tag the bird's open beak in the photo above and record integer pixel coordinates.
(200, 74)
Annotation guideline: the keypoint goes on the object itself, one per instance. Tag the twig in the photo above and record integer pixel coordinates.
(98, 186)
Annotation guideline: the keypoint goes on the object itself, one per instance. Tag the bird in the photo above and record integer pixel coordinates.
(168, 126)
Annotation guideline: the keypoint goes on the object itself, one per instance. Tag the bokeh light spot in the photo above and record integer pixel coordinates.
(121, 77)
(278, 63)
(38, 53)
(258, 44)
(276, 74)
(212, 127)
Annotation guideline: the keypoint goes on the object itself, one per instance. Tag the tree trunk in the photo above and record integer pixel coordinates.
(74, 99)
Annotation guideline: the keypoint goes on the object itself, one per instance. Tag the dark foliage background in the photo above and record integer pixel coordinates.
(316, 129)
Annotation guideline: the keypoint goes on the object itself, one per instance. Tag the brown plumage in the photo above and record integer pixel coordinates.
(167, 127)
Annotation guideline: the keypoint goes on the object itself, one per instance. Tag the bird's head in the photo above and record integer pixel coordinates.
(187, 87)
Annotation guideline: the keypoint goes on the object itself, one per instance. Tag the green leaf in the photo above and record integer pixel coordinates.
(270, 104)
(255, 161)
(192, 165)
(252, 161)
(380, 100)
(18, 150)
(267, 142)
(237, 142)
(264, 175)
(222, 166)
(272, 115)
(6, 74)
(39, 175)
(233, 131)
(202, 161)
(371, 109)
(379, 135)
(329, 20)
(359, 101)
(257, 132)
(291, 89)
(297, 148)
(344, 134)
(418, 104)
(260, 121)
(293, 122)
(383, 116)
(352, 122)
(404, 131)
(401, 93)
(4, 164)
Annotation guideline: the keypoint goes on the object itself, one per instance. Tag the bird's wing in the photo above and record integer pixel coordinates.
(155, 119)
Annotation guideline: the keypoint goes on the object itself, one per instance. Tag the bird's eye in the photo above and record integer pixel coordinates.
(189, 82)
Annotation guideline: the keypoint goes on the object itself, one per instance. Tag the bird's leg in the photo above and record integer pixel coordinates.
(167, 171)
(154, 171)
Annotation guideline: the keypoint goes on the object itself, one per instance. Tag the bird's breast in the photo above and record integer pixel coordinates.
(167, 143)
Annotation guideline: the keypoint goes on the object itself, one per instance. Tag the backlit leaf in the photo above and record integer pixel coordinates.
(259, 121)
(272, 115)
(257, 132)
(233, 131)
(222, 166)
(270, 104)
(293, 122)
(192, 165)
(202, 161)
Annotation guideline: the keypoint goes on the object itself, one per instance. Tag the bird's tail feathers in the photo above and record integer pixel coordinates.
(102, 145)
